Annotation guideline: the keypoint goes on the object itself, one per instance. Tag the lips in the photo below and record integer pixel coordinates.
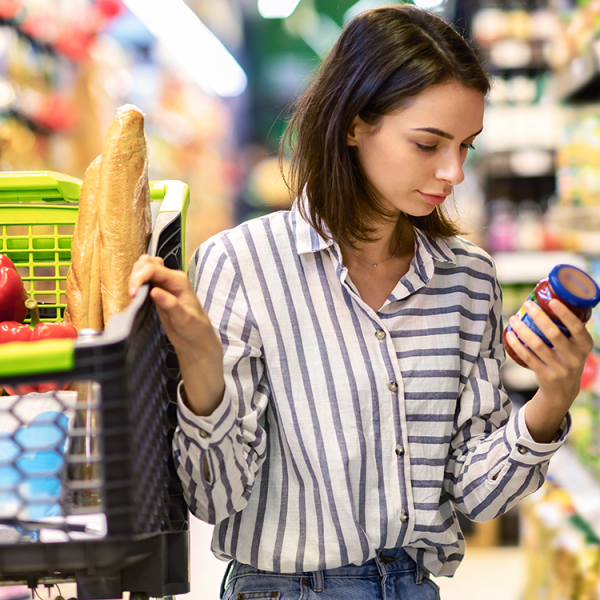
(434, 199)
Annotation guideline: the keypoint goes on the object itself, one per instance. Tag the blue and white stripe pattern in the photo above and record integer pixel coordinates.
(344, 431)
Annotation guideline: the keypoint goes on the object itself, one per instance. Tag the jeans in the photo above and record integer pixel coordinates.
(393, 575)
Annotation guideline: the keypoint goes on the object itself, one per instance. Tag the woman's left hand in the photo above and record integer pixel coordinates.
(558, 369)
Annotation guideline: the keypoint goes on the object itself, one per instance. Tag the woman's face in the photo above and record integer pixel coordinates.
(414, 156)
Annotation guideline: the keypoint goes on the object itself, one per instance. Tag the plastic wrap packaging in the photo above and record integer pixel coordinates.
(124, 214)
(84, 302)
(32, 447)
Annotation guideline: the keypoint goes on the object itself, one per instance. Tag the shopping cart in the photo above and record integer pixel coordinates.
(88, 491)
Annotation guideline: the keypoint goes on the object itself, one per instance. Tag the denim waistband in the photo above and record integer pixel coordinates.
(388, 561)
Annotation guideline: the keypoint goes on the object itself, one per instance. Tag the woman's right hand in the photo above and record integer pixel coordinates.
(188, 328)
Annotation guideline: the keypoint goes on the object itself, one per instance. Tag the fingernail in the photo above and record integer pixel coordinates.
(132, 290)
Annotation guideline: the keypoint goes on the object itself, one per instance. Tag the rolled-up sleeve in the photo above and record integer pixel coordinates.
(231, 442)
(494, 462)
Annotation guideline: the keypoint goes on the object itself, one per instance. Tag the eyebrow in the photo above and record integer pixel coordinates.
(441, 133)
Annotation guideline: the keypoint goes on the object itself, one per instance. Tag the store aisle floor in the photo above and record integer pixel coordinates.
(490, 573)
(206, 572)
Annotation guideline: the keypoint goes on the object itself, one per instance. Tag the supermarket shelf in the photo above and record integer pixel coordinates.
(583, 486)
(530, 267)
(576, 218)
(520, 164)
(510, 54)
(518, 378)
(580, 81)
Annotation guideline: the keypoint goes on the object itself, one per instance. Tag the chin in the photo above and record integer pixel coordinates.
(422, 211)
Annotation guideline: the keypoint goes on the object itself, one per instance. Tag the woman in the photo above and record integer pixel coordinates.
(341, 392)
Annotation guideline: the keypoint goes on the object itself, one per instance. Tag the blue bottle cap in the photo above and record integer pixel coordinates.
(574, 286)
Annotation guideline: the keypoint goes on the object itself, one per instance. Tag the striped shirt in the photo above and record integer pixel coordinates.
(344, 431)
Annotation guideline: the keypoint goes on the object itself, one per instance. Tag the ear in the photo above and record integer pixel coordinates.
(356, 127)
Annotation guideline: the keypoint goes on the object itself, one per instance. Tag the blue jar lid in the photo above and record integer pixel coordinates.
(574, 286)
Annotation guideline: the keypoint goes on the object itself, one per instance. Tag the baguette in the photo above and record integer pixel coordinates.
(124, 214)
(84, 304)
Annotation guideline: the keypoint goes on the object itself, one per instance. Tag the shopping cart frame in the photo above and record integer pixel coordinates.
(146, 549)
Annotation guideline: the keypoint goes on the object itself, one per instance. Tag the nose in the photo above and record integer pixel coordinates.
(450, 169)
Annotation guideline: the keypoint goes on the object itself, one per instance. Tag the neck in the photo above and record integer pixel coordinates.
(391, 239)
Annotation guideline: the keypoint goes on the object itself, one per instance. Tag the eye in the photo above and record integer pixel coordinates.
(425, 148)
(469, 146)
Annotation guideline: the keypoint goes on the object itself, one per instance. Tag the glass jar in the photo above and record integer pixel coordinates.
(572, 286)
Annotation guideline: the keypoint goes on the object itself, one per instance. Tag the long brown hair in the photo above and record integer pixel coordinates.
(383, 57)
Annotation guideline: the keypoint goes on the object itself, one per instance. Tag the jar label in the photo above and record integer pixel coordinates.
(524, 316)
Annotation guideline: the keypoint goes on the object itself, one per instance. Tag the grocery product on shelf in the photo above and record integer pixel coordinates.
(567, 283)
(562, 552)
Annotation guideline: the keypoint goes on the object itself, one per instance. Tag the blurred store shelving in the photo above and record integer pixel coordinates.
(531, 195)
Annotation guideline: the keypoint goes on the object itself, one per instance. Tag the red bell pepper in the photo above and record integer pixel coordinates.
(48, 331)
(28, 388)
(12, 295)
(6, 263)
(13, 331)
(53, 331)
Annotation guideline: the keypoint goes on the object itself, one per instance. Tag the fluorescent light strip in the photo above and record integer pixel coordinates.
(363, 5)
(194, 46)
(277, 9)
(323, 36)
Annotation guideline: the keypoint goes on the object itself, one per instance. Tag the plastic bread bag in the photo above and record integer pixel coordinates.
(124, 213)
(84, 302)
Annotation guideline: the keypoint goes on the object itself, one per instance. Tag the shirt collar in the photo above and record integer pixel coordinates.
(307, 239)
(426, 248)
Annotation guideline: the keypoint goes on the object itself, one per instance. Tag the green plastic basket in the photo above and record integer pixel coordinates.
(38, 212)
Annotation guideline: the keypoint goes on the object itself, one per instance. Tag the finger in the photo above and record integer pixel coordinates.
(569, 319)
(523, 352)
(141, 271)
(572, 346)
(175, 282)
(534, 343)
(142, 274)
(547, 327)
(163, 299)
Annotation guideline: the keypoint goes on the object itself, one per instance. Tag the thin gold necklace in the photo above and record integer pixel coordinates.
(381, 261)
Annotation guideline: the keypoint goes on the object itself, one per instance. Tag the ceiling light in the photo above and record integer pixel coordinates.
(192, 44)
(277, 9)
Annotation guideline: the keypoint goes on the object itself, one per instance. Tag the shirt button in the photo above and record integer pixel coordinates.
(393, 386)
(380, 334)
(203, 434)
(403, 517)
(400, 450)
(522, 449)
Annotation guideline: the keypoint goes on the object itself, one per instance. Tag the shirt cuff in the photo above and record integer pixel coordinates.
(205, 431)
(524, 449)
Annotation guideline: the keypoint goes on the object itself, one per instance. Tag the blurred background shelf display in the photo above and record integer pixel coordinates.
(537, 167)
(531, 195)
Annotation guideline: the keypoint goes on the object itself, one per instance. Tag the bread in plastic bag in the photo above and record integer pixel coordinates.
(124, 214)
